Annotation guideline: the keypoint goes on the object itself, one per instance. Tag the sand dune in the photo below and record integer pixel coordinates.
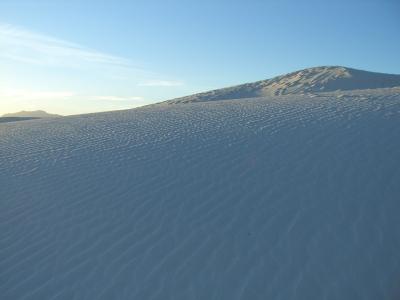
(264, 198)
(312, 80)
(31, 114)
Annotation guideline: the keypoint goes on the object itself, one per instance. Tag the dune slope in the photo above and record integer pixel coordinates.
(248, 199)
(307, 81)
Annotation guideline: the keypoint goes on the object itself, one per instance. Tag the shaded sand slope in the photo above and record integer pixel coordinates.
(15, 119)
(253, 199)
(312, 80)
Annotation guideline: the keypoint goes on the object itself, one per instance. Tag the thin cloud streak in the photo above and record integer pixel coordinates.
(116, 98)
(87, 80)
(28, 95)
(21, 45)
(165, 83)
(27, 46)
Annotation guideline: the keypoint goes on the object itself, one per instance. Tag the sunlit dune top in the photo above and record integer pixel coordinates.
(312, 80)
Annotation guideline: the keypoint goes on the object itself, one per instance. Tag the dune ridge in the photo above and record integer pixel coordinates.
(307, 81)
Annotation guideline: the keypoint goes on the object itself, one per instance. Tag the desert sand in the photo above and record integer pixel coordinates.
(289, 197)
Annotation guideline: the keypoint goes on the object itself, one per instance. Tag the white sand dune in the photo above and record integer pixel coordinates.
(307, 81)
(265, 198)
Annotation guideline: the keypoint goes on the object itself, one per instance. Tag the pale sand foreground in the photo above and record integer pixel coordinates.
(292, 198)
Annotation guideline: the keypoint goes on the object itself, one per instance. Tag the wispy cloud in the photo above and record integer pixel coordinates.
(55, 74)
(30, 47)
(165, 83)
(116, 98)
(28, 95)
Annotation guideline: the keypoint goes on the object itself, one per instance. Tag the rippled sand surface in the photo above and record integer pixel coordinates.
(270, 198)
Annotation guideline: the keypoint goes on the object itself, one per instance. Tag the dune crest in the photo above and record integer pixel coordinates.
(312, 80)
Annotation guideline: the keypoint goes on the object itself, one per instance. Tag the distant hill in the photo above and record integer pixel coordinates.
(312, 80)
(32, 114)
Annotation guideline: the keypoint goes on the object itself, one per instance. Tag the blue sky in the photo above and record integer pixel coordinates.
(77, 56)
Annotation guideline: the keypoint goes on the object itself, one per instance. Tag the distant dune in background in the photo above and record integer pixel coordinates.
(289, 190)
(32, 114)
(307, 81)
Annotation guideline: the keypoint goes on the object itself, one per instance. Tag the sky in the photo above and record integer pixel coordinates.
(74, 56)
